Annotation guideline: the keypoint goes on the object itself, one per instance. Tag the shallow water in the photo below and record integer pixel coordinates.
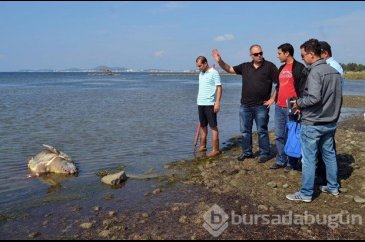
(137, 120)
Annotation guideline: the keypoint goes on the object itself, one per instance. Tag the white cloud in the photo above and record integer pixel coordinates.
(224, 37)
(169, 7)
(173, 5)
(159, 53)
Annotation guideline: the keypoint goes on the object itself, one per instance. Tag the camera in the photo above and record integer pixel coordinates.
(291, 109)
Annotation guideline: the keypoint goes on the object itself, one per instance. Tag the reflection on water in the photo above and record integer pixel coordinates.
(137, 120)
(54, 181)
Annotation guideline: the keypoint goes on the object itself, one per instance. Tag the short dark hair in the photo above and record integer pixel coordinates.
(287, 48)
(326, 47)
(312, 45)
(202, 59)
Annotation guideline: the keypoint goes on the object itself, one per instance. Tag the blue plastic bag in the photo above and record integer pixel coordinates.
(293, 148)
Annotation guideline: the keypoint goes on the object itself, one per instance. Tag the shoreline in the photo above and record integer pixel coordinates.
(175, 208)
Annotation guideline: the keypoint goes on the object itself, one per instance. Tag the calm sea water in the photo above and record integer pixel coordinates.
(138, 120)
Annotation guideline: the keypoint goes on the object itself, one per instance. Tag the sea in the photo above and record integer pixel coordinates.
(137, 121)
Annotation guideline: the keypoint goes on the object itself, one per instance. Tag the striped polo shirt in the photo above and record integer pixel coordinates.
(207, 87)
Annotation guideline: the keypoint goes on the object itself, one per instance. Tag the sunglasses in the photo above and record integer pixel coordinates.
(257, 54)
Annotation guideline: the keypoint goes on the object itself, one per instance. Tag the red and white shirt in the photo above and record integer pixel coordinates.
(286, 86)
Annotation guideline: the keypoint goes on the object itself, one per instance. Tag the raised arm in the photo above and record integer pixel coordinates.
(221, 63)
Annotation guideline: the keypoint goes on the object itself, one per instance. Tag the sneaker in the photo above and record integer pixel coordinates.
(298, 197)
(242, 157)
(276, 166)
(264, 159)
(288, 169)
(325, 190)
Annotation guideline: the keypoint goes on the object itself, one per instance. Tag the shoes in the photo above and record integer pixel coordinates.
(276, 166)
(288, 169)
(325, 190)
(264, 159)
(242, 157)
(298, 197)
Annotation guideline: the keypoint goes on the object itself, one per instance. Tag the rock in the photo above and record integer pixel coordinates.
(157, 191)
(34, 235)
(184, 220)
(105, 233)
(112, 213)
(86, 225)
(262, 208)
(108, 223)
(114, 179)
(272, 184)
(145, 215)
(175, 209)
(304, 228)
(344, 190)
(96, 208)
(359, 199)
(285, 185)
(76, 209)
(109, 197)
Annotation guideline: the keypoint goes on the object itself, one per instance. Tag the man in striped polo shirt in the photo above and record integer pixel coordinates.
(209, 96)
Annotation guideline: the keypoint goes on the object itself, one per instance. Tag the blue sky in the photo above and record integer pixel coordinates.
(170, 35)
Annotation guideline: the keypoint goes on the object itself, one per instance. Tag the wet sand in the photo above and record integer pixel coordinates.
(176, 208)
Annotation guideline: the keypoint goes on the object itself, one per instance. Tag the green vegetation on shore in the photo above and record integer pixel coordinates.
(351, 75)
(354, 71)
(353, 67)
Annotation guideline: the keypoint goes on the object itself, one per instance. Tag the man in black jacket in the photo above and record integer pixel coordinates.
(291, 84)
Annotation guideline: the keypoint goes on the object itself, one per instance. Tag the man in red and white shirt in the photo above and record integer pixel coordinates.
(291, 84)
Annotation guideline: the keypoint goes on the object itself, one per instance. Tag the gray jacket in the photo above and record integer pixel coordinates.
(322, 98)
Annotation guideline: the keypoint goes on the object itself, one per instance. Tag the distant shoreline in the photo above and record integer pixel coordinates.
(349, 76)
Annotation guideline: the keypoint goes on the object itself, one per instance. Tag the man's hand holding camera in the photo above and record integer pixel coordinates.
(296, 107)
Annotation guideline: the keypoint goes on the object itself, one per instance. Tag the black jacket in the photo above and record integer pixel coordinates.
(300, 74)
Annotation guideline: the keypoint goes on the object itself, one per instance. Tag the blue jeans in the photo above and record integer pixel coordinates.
(315, 138)
(282, 117)
(261, 116)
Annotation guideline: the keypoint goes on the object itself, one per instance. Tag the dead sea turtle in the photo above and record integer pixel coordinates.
(51, 160)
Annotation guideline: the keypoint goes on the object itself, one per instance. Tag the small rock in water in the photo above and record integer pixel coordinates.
(96, 208)
(157, 191)
(114, 179)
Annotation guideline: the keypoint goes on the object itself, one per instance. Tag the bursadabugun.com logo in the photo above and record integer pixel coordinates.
(216, 220)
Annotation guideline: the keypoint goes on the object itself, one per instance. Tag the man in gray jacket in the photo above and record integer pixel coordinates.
(320, 108)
